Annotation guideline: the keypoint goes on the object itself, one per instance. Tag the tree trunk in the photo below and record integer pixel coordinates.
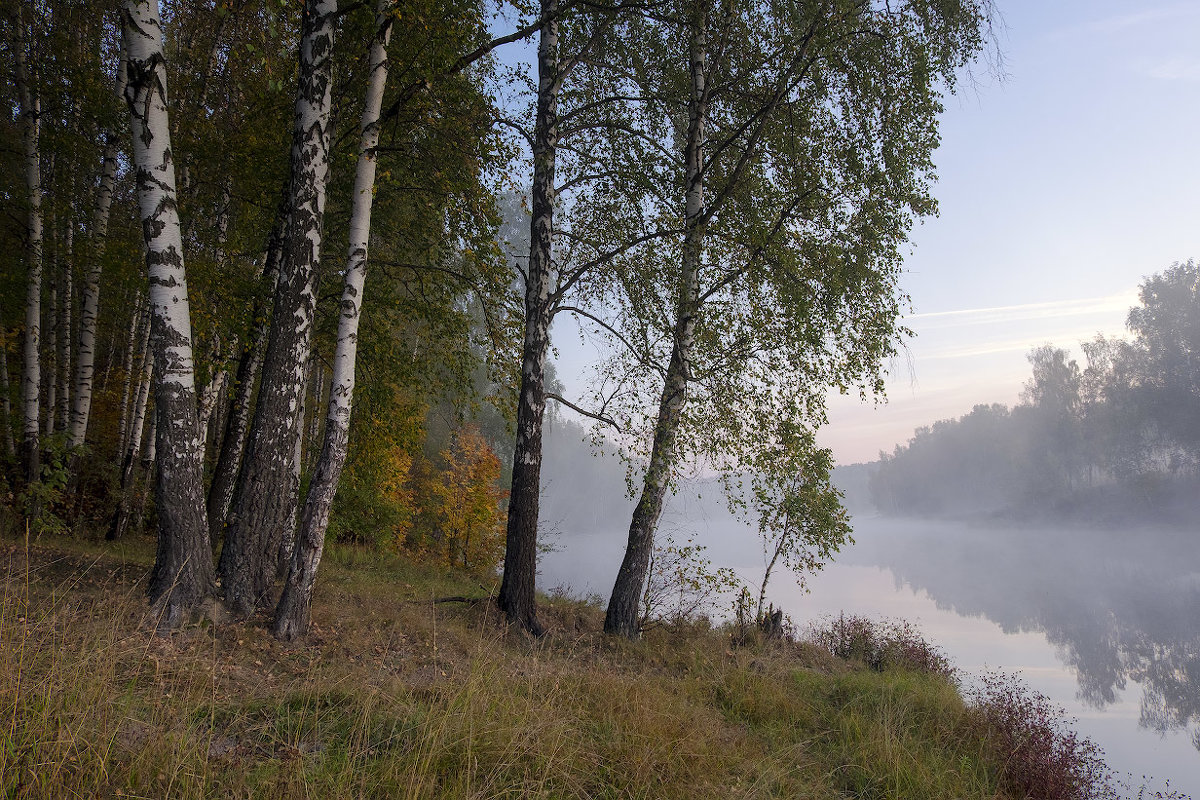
(66, 302)
(264, 504)
(293, 613)
(317, 373)
(183, 570)
(283, 558)
(10, 450)
(213, 392)
(622, 615)
(89, 311)
(149, 459)
(31, 379)
(517, 598)
(131, 443)
(137, 322)
(90, 308)
(50, 329)
(237, 423)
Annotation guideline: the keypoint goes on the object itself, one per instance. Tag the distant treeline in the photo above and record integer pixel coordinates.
(1119, 435)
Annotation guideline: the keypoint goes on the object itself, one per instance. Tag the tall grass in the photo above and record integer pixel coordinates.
(396, 696)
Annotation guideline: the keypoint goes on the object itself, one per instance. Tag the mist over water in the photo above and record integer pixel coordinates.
(1102, 620)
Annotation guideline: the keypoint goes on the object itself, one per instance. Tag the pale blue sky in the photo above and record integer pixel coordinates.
(1061, 187)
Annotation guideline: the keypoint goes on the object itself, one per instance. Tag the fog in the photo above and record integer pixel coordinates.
(1114, 605)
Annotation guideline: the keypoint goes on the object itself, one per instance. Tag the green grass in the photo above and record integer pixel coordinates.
(396, 696)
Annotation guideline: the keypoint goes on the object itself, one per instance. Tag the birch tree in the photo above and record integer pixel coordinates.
(183, 571)
(517, 598)
(90, 308)
(546, 283)
(31, 376)
(293, 613)
(795, 205)
(264, 504)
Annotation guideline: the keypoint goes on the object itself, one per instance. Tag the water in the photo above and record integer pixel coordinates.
(1105, 623)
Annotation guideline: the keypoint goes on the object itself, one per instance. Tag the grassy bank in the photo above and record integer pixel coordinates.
(397, 695)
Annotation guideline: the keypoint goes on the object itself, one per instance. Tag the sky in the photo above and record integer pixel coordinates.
(1064, 179)
(1062, 184)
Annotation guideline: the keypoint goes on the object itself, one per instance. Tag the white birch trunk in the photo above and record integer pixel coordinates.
(183, 575)
(89, 311)
(293, 613)
(129, 390)
(131, 442)
(50, 348)
(264, 501)
(66, 302)
(211, 395)
(621, 617)
(141, 400)
(31, 378)
(317, 372)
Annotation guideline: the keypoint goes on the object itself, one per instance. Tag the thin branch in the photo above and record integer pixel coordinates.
(642, 358)
(583, 411)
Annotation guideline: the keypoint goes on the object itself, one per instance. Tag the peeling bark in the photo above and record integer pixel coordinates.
(182, 576)
(264, 502)
(621, 617)
(293, 612)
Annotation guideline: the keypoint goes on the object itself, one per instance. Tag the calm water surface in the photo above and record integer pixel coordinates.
(1105, 623)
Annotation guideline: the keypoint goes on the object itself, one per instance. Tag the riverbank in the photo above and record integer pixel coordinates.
(399, 695)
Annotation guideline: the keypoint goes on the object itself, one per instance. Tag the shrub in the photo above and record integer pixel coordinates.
(880, 644)
(1041, 757)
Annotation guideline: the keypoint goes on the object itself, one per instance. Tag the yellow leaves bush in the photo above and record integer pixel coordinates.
(466, 504)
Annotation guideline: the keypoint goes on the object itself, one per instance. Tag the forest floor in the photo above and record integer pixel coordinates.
(396, 695)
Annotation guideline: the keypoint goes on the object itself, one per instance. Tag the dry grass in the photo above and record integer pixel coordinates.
(394, 695)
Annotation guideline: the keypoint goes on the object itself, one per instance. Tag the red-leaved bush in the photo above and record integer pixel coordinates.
(1043, 759)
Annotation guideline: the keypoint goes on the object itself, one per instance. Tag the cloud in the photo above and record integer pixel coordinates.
(1176, 68)
(1057, 309)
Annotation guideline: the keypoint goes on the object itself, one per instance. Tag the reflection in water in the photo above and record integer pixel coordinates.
(1119, 606)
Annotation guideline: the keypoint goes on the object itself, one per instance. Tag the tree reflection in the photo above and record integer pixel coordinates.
(1119, 606)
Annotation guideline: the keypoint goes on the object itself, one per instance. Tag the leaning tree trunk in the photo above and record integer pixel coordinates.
(293, 613)
(622, 615)
(264, 503)
(183, 571)
(31, 378)
(517, 598)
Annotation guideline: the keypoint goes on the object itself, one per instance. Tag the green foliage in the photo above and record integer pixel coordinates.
(800, 516)
(683, 584)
